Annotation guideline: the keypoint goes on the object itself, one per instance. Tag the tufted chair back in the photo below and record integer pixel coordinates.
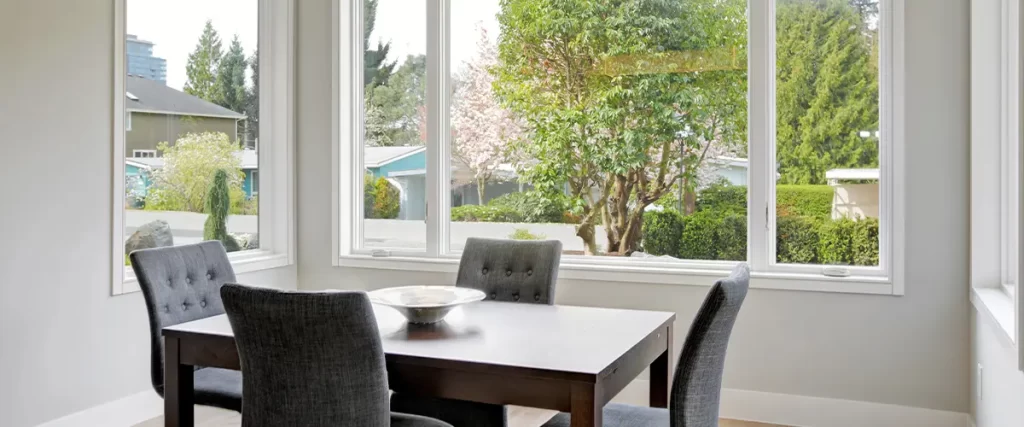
(511, 270)
(180, 284)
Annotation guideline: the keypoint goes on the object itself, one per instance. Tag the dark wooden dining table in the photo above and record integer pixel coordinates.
(565, 358)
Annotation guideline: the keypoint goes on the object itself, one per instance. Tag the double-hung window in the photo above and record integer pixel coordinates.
(657, 141)
(198, 83)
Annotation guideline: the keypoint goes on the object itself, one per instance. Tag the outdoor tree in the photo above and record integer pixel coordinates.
(827, 89)
(481, 127)
(376, 69)
(231, 78)
(392, 110)
(252, 99)
(188, 170)
(613, 95)
(201, 68)
(218, 206)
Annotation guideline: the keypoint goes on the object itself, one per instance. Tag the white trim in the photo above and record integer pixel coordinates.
(179, 113)
(125, 412)
(276, 162)
(416, 150)
(993, 304)
(807, 411)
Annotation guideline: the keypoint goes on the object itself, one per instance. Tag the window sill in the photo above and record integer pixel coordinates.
(241, 262)
(996, 305)
(640, 274)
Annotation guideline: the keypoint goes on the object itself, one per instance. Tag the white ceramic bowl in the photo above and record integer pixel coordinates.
(424, 304)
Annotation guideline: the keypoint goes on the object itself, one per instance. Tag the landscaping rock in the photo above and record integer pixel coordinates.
(156, 234)
(247, 241)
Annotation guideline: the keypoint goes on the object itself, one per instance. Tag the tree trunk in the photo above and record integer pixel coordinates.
(689, 201)
(481, 189)
(585, 231)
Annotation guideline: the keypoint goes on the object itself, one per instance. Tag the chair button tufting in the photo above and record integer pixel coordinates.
(508, 272)
(515, 297)
(202, 303)
(529, 272)
(536, 296)
(493, 295)
(209, 276)
(167, 308)
(188, 280)
(184, 306)
(485, 271)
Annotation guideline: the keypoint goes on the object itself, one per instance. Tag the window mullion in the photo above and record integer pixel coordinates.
(761, 187)
(438, 126)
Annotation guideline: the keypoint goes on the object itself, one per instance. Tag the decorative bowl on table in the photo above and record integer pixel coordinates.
(424, 304)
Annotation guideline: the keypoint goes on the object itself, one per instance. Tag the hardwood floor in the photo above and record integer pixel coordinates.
(518, 417)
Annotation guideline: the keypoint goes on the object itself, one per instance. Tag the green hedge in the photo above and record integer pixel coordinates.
(713, 235)
(790, 200)
(534, 206)
(485, 213)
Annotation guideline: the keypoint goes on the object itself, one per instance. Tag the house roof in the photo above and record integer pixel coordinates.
(375, 157)
(248, 158)
(150, 96)
(852, 174)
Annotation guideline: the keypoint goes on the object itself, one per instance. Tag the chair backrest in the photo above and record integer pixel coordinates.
(308, 359)
(697, 387)
(511, 270)
(180, 284)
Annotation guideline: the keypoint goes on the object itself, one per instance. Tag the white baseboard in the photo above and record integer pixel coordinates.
(125, 412)
(771, 408)
(804, 411)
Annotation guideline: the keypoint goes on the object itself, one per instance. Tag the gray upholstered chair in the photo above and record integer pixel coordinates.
(697, 386)
(182, 284)
(311, 359)
(505, 270)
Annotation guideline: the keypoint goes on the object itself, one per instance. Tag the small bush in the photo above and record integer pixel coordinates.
(796, 240)
(662, 231)
(804, 200)
(369, 195)
(865, 242)
(534, 206)
(525, 234)
(836, 244)
(485, 213)
(698, 237)
(723, 197)
(731, 237)
(386, 200)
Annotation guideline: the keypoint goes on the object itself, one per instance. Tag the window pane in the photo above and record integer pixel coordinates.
(827, 140)
(192, 91)
(618, 128)
(394, 113)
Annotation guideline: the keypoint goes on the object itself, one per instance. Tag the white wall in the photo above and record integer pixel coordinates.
(997, 395)
(909, 350)
(65, 343)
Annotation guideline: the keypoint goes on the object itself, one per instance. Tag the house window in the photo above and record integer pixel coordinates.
(770, 139)
(188, 158)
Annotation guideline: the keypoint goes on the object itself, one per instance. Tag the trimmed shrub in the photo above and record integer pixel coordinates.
(525, 234)
(662, 231)
(534, 206)
(796, 240)
(485, 213)
(386, 200)
(836, 244)
(731, 237)
(698, 236)
(804, 200)
(723, 197)
(865, 242)
(218, 205)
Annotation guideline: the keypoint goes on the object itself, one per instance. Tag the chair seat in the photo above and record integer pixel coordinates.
(217, 387)
(407, 420)
(622, 415)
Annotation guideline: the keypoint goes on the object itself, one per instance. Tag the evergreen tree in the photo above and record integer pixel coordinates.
(231, 78)
(827, 90)
(376, 69)
(392, 115)
(252, 99)
(201, 69)
(218, 205)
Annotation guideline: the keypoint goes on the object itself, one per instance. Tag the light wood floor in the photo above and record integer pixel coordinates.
(518, 417)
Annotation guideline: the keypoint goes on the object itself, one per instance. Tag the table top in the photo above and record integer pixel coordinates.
(549, 338)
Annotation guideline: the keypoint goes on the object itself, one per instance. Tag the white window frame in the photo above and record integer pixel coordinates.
(277, 157)
(128, 119)
(886, 279)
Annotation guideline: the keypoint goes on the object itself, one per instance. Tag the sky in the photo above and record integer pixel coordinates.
(175, 27)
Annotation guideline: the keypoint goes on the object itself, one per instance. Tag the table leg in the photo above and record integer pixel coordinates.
(586, 411)
(661, 375)
(178, 387)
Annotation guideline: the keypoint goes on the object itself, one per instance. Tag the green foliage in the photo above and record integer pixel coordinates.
(804, 200)
(723, 197)
(218, 204)
(698, 237)
(369, 194)
(386, 202)
(250, 206)
(188, 171)
(376, 69)
(836, 244)
(827, 88)
(796, 239)
(201, 68)
(252, 98)
(534, 206)
(662, 232)
(393, 109)
(231, 78)
(731, 237)
(525, 234)
(865, 242)
(485, 213)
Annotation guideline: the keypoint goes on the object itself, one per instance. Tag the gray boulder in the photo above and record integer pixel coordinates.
(156, 234)
(247, 241)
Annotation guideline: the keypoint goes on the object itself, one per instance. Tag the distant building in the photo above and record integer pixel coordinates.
(142, 63)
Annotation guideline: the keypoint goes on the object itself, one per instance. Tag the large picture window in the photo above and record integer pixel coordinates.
(662, 137)
(200, 128)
